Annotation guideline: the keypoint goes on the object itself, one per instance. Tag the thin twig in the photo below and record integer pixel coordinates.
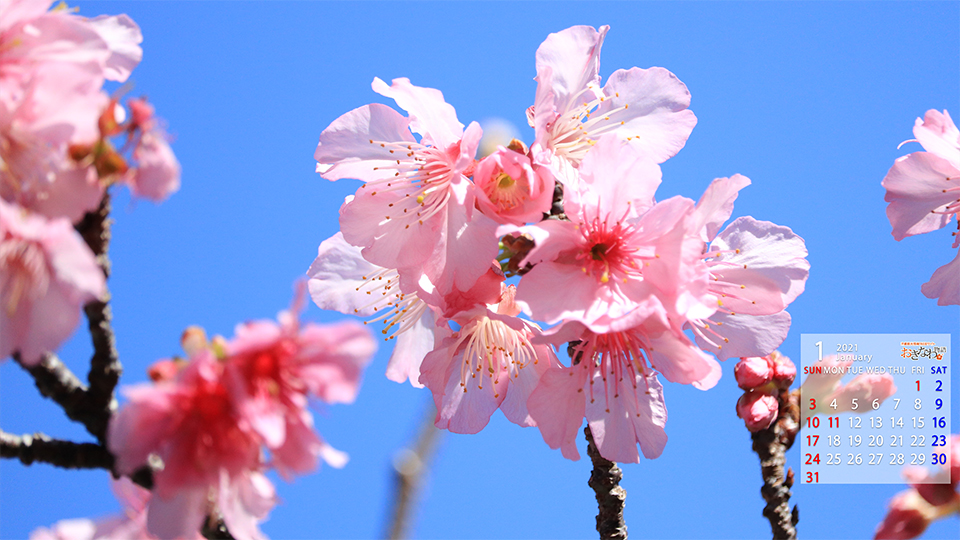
(611, 498)
(105, 368)
(410, 467)
(771, 445)
(66, 454)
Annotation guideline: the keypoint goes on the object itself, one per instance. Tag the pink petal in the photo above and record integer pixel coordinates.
(514, 406)
(681, 362)
(123, 39)
(771, 264)
(573, 58)
(736, 336)
(345, 150)
(430, 116)
(918, 185)
(944, 284)
(638, 415)
(557, 405)
(716, 204)
(657, 120)
(179, 516)
(622, 180)
(939, 135)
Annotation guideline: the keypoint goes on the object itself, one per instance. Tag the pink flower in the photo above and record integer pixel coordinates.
(923, 189)
(47, 273)
(271, 370)
(599, 257)
(756, 269)
(131, 525)
(489, 363)
(931, 497)
(157, 174)
(341, 280)
(206, 446)
(758, 410)
(754, 372)
(908, 515)
(57, 108)
(52, 67)
(647, 107)
(511, 188)
(415, 212)
(611, 385)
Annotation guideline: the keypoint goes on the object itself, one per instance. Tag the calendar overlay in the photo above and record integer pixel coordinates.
(855, 438)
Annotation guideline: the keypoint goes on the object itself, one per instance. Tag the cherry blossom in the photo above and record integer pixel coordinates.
(511, 188)
(52, 66)
(923, 189)
(489, 363)
(272, 368)
(415, 211)
(47, 273)
(208, 450)
(612, 385)
(647, 107)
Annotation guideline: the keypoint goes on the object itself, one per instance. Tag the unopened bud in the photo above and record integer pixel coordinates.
(165, 370)
(518, 146)
(758, 410)
(752, 373)
(907, 517)
(194, 340)
(784, 370)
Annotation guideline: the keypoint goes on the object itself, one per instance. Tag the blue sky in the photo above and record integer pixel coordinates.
(809, 100)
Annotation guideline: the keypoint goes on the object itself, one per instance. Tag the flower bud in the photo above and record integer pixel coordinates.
(752, 373)
(908, 516)
(784, 370)
(758, 410)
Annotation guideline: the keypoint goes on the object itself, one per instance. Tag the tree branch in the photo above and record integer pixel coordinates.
(611, 498)
(55, 381)
(105, 368)
(410, 466)
(771, 445)
(65, 454)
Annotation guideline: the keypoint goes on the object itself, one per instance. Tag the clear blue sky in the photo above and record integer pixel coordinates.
(809, 100)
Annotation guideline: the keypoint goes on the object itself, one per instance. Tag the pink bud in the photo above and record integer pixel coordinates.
(784, 370)
(142, 113)
(907, 517)
(752, 373)
(758, 410)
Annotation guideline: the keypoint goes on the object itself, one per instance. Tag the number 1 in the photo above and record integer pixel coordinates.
(819, 345)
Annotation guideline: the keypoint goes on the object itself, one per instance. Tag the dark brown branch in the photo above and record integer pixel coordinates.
(771, 445)
(55, 381)
(611, 498)
(65, 454)
(410, 467)
(105, 368)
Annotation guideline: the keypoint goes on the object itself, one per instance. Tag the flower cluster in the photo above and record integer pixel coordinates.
(640, 287)
(923, 189)
(911, 512)
(762, 379)
(56, 160)
(205, 424)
